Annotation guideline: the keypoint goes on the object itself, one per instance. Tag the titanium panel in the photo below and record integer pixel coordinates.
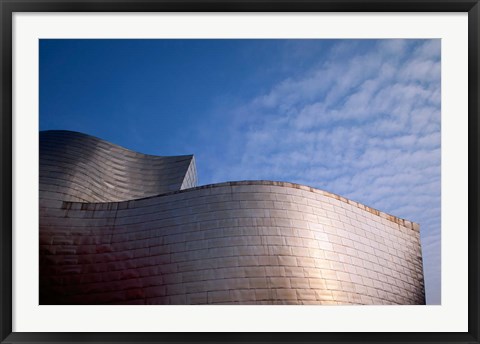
(252, 242)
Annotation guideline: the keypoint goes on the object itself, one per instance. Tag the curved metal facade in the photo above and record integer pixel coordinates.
(255, 242)
(79, 167)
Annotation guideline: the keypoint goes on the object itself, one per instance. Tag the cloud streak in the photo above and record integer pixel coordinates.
(362, 123)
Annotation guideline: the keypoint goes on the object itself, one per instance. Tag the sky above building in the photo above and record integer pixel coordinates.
(359, 118)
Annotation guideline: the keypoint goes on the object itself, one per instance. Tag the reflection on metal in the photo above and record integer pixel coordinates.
(119, 227)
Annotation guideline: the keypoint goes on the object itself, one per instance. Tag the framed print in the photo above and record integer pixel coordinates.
(239, 171)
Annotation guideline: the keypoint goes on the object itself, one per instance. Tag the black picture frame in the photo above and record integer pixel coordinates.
(8, 7)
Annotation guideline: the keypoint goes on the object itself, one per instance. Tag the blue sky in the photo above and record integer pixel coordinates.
(360, 118)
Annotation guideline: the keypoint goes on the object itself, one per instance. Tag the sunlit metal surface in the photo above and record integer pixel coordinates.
(254, 242)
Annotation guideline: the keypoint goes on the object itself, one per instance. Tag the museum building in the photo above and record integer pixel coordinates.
(120, 227)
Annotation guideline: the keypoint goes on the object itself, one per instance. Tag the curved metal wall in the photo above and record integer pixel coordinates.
(79, 167)
(256, 242)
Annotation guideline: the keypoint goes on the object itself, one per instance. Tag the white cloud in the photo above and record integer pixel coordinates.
(363, 123)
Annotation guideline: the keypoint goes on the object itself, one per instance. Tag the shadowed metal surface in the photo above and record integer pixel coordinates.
(79, 167)
(253, 242)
